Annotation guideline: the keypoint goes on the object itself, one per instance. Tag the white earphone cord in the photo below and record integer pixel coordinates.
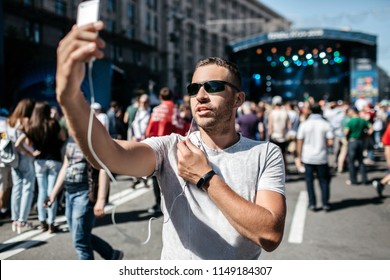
(89, 138)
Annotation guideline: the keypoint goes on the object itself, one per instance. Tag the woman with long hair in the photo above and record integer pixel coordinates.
(23, 175)
(47, 137)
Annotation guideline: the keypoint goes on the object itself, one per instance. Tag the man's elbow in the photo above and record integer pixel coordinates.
(271, 242)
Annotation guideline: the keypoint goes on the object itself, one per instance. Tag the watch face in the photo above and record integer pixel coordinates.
(200, 183)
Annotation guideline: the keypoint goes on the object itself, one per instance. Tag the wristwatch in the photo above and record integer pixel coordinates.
(204, 179)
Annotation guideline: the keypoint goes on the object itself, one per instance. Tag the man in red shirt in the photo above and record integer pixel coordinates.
(163, 119)
(162, 122)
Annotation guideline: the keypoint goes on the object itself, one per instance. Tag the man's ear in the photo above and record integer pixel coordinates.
(240, 98)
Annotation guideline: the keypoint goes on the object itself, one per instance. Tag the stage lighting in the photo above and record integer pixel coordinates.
(256, 76)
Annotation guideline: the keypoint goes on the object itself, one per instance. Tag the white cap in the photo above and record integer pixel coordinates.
(277, 100)
(96, 106)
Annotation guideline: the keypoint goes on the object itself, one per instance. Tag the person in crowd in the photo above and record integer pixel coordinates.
(23, 175)
(5, 171)
(278, 125)
(356, 130)
(378, 128)
(47, 137)
(115, 118)
(314, 137)
(241, 213)
(262, 127)
(163, 121)
(381, 184)
(129, 116)
(247, 122)
(100, 115)
(368, 113)
(104, 178)
(333, 112)
(184, 120)
(139, 126)
(293, 115)
(84, 199)
(342, 155)
(141, 119)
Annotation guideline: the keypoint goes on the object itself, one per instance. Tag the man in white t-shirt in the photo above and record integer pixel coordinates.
(104, 178)
(223, 195)
(314, 136)
(101, 116)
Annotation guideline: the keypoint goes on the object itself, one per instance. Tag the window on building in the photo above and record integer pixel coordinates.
(118, 53)
(148, 21)
(60, 7)
(131, 32)
(156, 23)
(111, 6)
(37, 33)
(156, 41)
(152, 4)
(214, 45)
(203, 43)
(191, 37)
(137, 56)
(110, 25)
(154, 64)
(32, 32)
(189, 11)
(28, 2)
(131, 12)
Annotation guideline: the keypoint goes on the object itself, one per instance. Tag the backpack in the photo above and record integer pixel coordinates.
(8, 154)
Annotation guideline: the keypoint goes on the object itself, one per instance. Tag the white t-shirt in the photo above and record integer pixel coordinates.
(103, 118)
(195, 227)
(315, 131)
(279, 118)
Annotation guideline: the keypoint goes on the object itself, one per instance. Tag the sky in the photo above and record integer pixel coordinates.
(367, 16)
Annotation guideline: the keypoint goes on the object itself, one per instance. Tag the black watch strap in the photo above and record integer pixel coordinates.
(205, 178)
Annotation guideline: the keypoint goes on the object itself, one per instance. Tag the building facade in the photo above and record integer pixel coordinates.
(150, 43)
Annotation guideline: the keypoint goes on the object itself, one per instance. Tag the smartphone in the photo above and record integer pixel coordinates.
(88, 12)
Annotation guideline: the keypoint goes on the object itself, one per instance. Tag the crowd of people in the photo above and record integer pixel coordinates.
(224, 156)
(323, 138)
(308, 131)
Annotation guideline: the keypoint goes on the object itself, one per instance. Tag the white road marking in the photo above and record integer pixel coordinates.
(298, 221)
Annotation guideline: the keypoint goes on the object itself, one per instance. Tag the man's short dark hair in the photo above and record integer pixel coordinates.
(354, 108)
(316, 108)
(232, 67)
(166, 93)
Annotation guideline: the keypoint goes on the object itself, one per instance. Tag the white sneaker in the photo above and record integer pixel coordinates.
(23, 226)
(14, 225)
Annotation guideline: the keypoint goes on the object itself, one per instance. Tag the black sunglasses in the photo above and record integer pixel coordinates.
(209, 86)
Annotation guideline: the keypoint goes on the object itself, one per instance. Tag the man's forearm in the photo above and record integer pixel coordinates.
(77, 114)
(263, 226)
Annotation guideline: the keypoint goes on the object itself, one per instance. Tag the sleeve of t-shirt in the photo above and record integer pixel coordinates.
(272, 175)
(329, 133)
(300, 132)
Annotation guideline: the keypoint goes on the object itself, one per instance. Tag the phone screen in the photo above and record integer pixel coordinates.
(88, 12)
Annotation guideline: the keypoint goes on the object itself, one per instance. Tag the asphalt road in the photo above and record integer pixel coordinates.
(356, 228)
